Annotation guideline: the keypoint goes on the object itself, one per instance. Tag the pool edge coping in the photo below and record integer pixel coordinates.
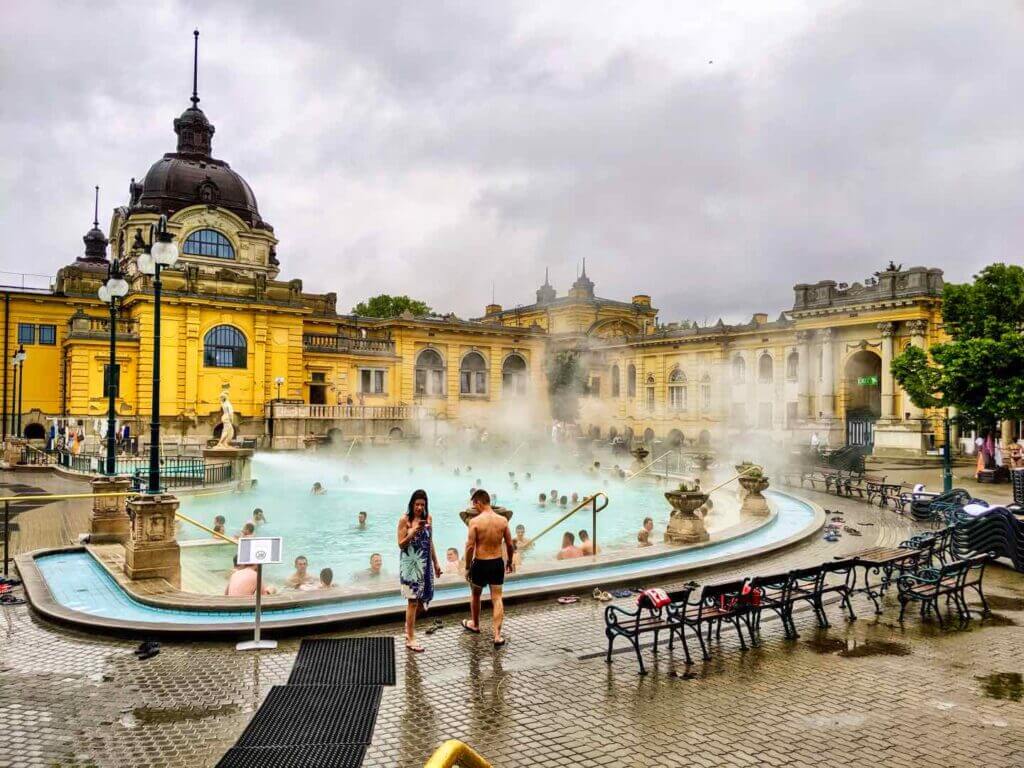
(41, 599)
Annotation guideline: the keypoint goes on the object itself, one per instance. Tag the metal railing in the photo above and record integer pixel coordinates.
(85, 326)
(323, 342)
(456, 753)
(185, 472)
(37, 457)
(593, 501)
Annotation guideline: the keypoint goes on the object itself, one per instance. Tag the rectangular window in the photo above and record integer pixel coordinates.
(650, 399)
(26, 333)
(705, 397)
(371, 381)
(319, 377)
(677, 397)
(106, 380)
(421, 381)
(48, 334)
(595, 386)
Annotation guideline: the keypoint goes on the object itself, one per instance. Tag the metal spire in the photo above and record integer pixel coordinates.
(195, 68)
(96, 210)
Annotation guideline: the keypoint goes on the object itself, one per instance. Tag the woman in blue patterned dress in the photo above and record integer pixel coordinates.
(418, 563)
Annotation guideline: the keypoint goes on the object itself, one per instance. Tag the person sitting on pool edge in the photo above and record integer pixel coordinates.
(302, 576)
(218, 523)
(361, 520)
(644, 536)
(569, 549)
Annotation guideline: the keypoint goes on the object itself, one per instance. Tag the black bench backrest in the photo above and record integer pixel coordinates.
(721, 595)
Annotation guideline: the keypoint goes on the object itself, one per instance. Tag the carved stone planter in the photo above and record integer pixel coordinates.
(754, 503)
(686, 524)
(640, 454)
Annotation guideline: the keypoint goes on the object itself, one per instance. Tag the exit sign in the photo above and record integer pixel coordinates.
(868, 381)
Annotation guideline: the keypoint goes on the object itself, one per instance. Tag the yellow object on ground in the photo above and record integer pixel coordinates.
(456, 753)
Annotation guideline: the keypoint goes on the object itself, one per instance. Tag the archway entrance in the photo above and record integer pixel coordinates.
(35, 432)
(863, 392)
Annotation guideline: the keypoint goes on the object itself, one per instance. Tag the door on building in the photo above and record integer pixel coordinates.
(863, 397)
(318, 389)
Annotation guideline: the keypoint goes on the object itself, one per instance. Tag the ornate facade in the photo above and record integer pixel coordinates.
(229, 321)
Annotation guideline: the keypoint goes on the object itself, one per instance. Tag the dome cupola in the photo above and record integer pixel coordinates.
(95, 241)
(546, 293)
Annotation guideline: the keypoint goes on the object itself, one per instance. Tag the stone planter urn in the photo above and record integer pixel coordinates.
(703, 461)
(686, 524)
(742, 470)
(640, 454)
(754, 503)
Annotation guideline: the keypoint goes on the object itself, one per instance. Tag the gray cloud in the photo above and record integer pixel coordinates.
(711, 158)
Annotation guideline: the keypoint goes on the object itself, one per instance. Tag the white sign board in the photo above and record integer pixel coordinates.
(259, 551)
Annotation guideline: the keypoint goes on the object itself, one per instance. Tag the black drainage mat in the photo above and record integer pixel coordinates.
(348, 661)
(318, 756)
(308, 715)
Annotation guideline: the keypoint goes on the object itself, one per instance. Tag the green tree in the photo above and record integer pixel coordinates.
(385, 305)
(981, 369)
(566, 382)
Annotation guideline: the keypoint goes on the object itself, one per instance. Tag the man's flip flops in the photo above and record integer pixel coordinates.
(465, 626)
(600, 594)
(568, 599)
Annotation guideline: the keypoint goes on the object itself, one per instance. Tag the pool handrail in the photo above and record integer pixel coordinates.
(591, 499)
(212, 532)
(648, 466)
(456, 753)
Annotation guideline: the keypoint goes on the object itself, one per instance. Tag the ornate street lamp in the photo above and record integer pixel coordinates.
(18, 361)
(161, 252)
(111, 292)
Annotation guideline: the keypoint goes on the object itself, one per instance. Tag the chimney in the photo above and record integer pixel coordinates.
(760, 318)
(642, 300)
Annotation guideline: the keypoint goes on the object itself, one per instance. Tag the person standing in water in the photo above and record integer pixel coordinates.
(489, 553)
(418, 564)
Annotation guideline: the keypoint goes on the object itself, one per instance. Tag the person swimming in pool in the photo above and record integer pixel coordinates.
(361, 520)
(542, 500)
(218, 523)
(318, 489)
(258, 518)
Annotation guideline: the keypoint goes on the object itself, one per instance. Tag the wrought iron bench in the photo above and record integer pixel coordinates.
(717, 603)
(928, 585)
(776, 592)
(620, 622)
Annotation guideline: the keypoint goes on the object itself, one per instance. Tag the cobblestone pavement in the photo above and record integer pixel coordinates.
(866, 693)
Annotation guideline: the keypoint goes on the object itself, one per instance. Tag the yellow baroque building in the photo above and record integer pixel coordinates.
(297, 371)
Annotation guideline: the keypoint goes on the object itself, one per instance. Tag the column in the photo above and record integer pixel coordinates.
(886, 330)
(828, 395)
(918, 332)
(803, 376)
(954, 431)
(1007, 439)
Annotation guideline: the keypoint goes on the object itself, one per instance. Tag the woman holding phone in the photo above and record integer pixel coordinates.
(418, 563)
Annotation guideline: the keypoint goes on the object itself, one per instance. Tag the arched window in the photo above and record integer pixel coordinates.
(429, 374)
(792, 365)
(765, 369)
(705, 392)
(208, 242)
(615, 381)
(473, 375)
(677, 390)
(631, 381)
(514, 375)
(739, 369)
(224, 347)
(649, 393)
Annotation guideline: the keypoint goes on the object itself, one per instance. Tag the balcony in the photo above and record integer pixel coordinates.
(346, 345)
(83, 326)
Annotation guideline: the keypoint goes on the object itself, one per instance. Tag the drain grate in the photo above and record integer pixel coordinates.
(310, 715)
(317, 756)
(345, 661)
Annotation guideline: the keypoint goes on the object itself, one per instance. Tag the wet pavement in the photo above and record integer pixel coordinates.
(865, 693)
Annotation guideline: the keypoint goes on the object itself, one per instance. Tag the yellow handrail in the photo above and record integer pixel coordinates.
(648, 466)
(454, 752)
(737, 477)
(197, 524)
(589, 499)
(56, 496)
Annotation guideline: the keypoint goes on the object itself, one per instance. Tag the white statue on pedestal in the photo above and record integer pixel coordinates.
(227, 412)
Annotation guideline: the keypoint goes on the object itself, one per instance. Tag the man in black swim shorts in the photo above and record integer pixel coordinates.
(488, 558)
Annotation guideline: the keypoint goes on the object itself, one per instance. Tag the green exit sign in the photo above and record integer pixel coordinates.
(868, 381)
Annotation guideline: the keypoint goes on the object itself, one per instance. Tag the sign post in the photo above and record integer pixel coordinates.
(257, 551)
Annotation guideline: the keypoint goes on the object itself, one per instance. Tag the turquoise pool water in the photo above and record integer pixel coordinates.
(324, 529)
(79, 583)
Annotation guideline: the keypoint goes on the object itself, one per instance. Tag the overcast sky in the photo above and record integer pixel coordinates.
(710, 154)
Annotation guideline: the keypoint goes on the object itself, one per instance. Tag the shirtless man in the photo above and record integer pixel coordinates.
(488, 557)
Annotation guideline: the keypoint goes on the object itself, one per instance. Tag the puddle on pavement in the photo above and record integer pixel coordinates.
(1000, 603)
(826, 644)
(1002, 685)
(156, 715)
(875, 648)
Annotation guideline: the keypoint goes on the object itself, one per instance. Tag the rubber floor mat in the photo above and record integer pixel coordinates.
(345, 661)
(317, 756)
(309, 715)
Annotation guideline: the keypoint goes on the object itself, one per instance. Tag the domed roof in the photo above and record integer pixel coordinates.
(192, 176)
(95, 241)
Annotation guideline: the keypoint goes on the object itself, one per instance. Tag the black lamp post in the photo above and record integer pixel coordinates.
(161, 252)
(112, 292)
(18, 361)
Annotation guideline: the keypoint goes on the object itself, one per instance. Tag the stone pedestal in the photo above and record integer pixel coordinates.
(13, 449)
(151, 551)
(240, 460)
(109, 522)
(686, 524)
(754, 503)
(900, 439)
